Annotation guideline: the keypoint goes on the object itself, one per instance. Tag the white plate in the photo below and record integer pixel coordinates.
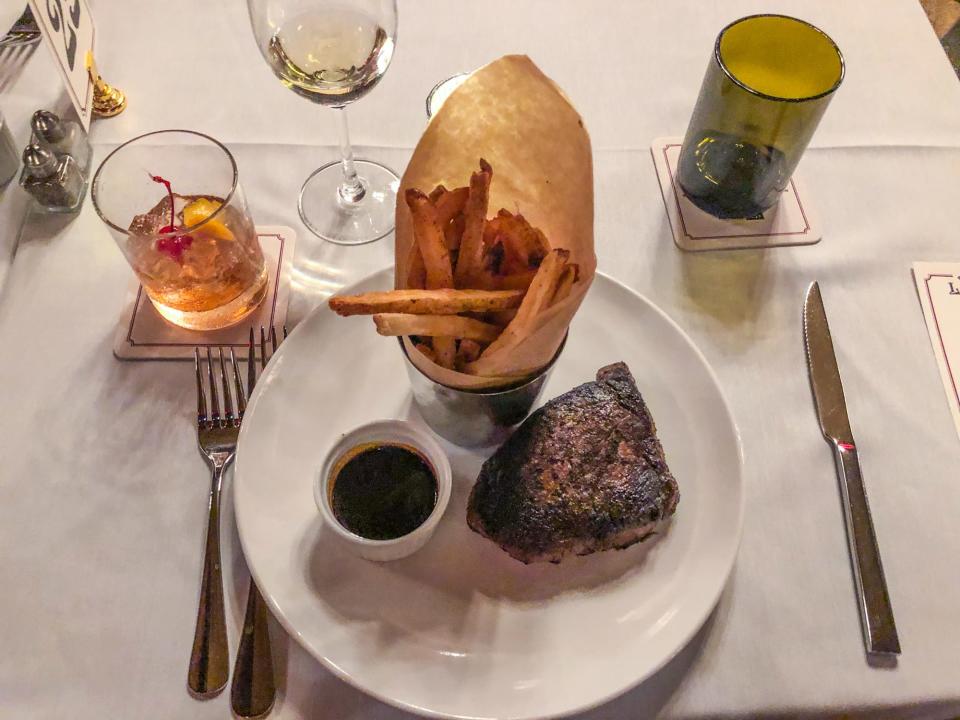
(460, 629)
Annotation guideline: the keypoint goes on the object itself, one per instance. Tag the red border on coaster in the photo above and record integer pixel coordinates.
(273, 309)
(676, 198)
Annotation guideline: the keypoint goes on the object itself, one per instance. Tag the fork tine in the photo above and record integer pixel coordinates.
(251, 364)
(5, 72)
(263, 349)
(214, 400)
(273, 338)
(201, 398)
(238, 386)
(12, 51)
(12, 61)
(227, 402)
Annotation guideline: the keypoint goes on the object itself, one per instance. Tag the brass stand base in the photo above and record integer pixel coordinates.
(107, 100)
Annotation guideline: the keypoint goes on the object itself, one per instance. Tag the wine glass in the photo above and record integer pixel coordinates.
(334, 53)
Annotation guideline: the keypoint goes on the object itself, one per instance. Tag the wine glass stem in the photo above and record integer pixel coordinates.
(351, 190)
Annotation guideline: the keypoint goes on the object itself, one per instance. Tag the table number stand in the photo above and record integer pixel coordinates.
(107, 100)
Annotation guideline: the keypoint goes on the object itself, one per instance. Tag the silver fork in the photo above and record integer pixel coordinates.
(254, 688)
(217, 438)
(14, 53)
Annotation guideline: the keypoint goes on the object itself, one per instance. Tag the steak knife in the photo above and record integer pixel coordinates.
(876, 614)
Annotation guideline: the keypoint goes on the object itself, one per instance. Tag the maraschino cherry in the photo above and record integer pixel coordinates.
(175, 245)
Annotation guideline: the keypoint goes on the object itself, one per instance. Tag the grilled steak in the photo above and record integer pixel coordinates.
(583, 473)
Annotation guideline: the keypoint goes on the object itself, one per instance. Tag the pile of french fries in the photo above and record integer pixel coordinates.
(476, 284)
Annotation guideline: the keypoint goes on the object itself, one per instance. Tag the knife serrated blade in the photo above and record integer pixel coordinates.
(876, 614)
(824, 373)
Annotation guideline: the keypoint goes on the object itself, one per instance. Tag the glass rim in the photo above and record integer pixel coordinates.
(462, 76)
(184, 230)
(753, 91)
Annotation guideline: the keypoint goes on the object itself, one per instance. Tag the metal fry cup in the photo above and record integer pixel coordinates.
(475, 418)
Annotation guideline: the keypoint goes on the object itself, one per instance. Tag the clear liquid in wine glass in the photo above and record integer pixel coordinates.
(330, 55)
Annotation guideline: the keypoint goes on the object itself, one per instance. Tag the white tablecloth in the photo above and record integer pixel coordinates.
(102, 493)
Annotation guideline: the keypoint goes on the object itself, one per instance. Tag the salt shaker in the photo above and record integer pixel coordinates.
(55, 182)
(64, 137)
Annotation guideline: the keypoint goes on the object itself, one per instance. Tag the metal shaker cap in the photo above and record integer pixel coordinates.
(48, 126)
(38, 161)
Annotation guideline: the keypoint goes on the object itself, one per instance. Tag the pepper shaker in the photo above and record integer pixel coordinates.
(64, 137)
(56, 183)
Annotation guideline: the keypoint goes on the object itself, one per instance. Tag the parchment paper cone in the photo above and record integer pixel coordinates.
(516, 118)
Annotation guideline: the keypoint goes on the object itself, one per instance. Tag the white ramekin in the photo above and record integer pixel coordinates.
(386, 431)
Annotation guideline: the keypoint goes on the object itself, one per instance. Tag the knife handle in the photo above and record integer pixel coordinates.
(876, 613)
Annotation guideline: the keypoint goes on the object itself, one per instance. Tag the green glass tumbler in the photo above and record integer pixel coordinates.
(768, 84)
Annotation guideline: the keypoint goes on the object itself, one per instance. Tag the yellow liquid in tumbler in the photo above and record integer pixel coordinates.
(781, 57)
(774, 81)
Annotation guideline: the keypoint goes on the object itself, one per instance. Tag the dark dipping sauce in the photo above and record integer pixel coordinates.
(382, 491)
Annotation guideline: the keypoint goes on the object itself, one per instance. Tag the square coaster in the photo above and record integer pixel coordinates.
(790, 222)
(143, 334)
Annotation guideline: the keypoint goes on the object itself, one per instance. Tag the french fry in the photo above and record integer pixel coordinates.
(427, 351)
(502, 317)
(565, 283)
(523, 246)
(450, 204)
(416, 271)
(453, 232)
(538, 297)
(430, 240)
(543, 286)
(426, 302)
(475, 216)
(435, 326)
(445, 348)
(487, 279)
(514, 260)
(467, 351)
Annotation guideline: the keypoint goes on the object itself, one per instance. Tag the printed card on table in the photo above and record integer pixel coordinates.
(67, 29)
(938, 285)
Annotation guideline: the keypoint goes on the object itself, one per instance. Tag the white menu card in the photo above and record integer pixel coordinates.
(938, 285)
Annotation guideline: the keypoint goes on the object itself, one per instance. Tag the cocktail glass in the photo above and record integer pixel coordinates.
(173, 203)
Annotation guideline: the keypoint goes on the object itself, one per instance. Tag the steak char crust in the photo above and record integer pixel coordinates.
(583, 473)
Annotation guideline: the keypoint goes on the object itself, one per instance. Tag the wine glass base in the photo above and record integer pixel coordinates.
(327, 215)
